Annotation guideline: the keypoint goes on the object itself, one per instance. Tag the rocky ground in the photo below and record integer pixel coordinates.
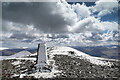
(8, 69)
(74, 67)
(70, 67)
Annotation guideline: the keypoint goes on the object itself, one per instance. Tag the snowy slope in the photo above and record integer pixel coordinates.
(79, 54)
(17, 55)
(62, 51)
(20, 54)
(3, 48)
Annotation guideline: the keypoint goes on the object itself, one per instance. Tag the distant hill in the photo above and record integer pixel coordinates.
(110, 52)
(8, 52)
(100, 51)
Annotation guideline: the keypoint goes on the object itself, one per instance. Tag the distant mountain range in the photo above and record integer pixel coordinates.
(101, 51)
(8, 52)
(98, 51)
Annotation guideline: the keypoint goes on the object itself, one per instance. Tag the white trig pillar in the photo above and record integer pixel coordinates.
(41, 56)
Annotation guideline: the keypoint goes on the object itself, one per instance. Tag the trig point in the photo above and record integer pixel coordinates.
(41, 63)
(41, 54)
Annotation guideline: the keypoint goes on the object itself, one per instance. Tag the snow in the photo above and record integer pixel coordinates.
(61, 51)
(81, 55)
(55, 51)
(18, 66)
(3, 48)
(46, 74)
(22, 75)
(25, 58)
(6, 57)
(43, 75)
(3, 57)
(20, 54)
(9, 57)
(16, 63)
(24, 70)
(99, 58)
(32, 54)
(34, 59)
(16, 56)
(15, 75)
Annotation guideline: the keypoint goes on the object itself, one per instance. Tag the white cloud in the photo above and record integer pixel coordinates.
(104, 7)
(85, 39)
(18, 31)
(87, 24)
(57, 17)
(81, 10)
(92, 24)
(57, 24)
(6, 35)
(113, 26)
(10, 26)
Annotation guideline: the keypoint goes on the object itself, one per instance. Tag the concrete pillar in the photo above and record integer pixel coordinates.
(41, 54)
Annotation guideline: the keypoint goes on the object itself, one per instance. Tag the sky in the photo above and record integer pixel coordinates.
(61, 23)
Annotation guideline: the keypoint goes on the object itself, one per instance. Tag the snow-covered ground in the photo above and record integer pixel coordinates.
(61, 51)
(25, 55)
(81, 55)
(20, 54)
(3, 48)
(17, 55)
(16, 63)
(46, 74)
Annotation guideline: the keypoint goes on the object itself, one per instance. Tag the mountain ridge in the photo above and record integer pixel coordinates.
(69, 63)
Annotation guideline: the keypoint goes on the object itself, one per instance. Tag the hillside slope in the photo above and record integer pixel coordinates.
(69, 63)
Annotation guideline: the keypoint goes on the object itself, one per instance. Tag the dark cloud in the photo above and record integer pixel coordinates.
(39, 14)
(21, 35)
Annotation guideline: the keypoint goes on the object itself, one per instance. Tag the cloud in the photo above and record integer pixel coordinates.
(86, 24)
(18, 31)
(11, 26)
(49, 17)
(86, 39)
(55, 36)
(56, 23)
(92, 24)
(22, 36)
(56, 17)
(113, 26)
(81, 10)
(104, 7)
(6, 35)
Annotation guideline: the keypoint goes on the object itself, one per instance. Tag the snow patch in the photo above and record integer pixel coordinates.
(46, 74)
(3, 48)
(32, 54)
(20, 54)
(24, 58)
(15, 75)
(16, 63)
(79, 54)
(17, 55)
